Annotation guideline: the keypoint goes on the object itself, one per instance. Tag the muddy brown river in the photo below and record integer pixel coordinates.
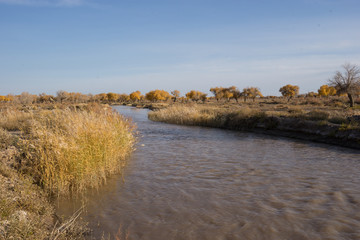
(202, 183)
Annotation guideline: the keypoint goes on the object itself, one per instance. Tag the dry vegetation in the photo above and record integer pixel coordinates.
(55, 151)
(319, 119)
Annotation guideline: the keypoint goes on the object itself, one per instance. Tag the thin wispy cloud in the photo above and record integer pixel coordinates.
(56, 3)
(71, 2)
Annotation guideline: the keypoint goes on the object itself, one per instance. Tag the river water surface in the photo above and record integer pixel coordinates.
(202, 183)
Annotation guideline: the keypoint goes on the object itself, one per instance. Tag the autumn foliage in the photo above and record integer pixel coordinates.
(157, 95)
(196, 96)
(4, 99)
(325, 91)
(175, 94)
(289, 91)
(135, 96)
(226, 93)
(251, 92)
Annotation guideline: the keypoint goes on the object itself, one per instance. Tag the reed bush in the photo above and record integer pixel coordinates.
(178, 115)
(13, 119)
(69, 150)
(238, 118)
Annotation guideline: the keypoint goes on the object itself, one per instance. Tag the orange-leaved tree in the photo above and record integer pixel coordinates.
(135, 96)
(289, 91)
(226, 93)
(175, 94)
(157, 95)
(218, 92)
(325, 91)
(4, 99)
(113, 97)
(251, 92)
(196, 96)
(236, 94)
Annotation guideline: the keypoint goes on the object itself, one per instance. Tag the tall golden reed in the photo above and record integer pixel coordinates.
(203, 116)
(70, 150)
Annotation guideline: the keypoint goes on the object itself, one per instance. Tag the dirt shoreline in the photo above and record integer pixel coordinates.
(308, 131)
(309, 137)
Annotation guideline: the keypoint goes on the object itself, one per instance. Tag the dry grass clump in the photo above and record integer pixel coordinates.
(208, 116)
(67, 151)
(25, 210)
(178, 114)
(12, 119)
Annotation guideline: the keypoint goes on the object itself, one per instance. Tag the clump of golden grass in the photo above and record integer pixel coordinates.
(14, 120)
(25, 209)
(207, 116)
(69, 150)
(179, 115)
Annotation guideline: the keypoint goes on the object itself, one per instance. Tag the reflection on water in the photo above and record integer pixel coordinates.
(202, 183)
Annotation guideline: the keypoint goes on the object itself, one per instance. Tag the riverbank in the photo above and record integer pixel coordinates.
(51, 152)
(314, 125)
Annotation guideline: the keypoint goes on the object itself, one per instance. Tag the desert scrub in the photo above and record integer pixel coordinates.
(67, 151)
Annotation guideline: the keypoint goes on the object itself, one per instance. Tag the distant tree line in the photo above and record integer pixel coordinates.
(346, 83)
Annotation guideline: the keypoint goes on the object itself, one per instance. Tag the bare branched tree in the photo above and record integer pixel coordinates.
(62, 95)
(26, 98)
(347, 82)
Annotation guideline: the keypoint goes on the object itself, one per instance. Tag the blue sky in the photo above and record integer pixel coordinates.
(94, 46)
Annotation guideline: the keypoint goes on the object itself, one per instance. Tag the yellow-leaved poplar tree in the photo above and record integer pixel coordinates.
(289, 91)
